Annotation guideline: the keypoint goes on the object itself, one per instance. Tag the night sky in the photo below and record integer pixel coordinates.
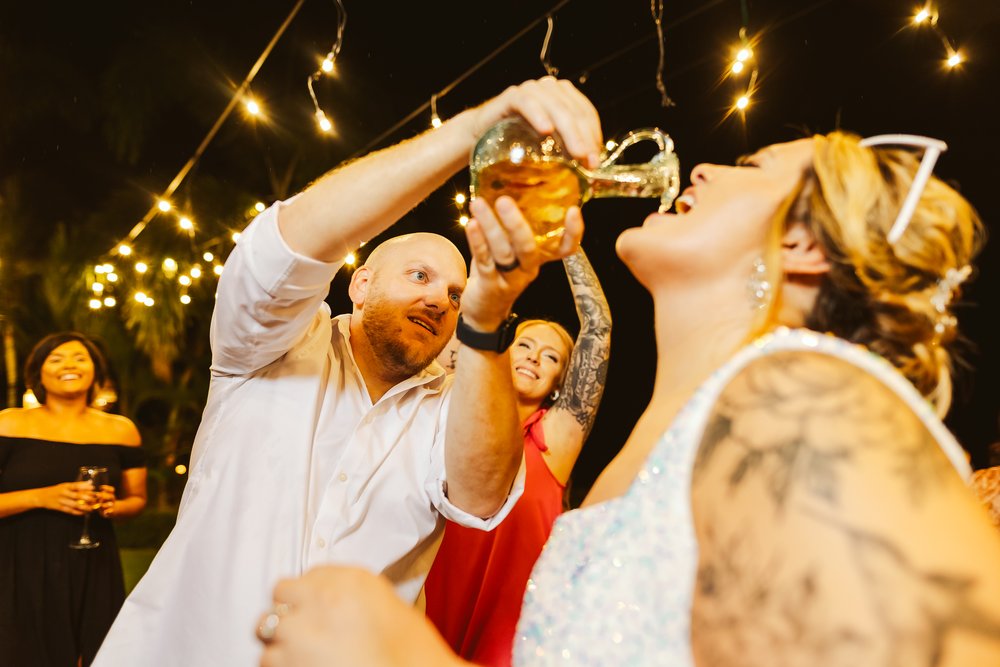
(104, 102)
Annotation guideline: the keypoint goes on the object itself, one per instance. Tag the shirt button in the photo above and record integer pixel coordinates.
(342, 477)
(321, 543)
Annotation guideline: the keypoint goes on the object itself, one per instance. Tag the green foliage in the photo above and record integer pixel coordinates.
(147, 531)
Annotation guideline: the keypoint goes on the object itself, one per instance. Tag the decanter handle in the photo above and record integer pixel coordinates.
(662, 139)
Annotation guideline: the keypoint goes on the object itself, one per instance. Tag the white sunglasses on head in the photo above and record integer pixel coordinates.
(932, 150)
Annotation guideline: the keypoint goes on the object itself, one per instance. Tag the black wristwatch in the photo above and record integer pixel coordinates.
(488, 341)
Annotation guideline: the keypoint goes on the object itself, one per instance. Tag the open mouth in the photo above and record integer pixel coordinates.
(526, 372)
(423, 323)
(684, 203)
(69, 376)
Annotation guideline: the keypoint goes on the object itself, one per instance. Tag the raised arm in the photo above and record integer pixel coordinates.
(567, 424)
(833, 530)
(363, 198)
(483, 445)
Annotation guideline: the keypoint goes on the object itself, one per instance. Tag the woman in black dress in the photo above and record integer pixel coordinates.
(56, 602)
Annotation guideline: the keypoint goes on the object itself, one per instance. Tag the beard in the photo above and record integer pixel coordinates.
(399, 357)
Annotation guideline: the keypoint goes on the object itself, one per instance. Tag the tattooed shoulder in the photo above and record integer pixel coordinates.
(832, 528)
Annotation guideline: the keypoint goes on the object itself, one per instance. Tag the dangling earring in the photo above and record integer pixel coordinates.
(554, 396)
(758, 287)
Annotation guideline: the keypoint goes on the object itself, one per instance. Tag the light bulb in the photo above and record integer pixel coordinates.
(163, 205)
(141, 297)
(253, 108)
(184, 280)
(124, 250)
(350, 259)
(235, 237)
(95, 304)
(744, 54)
(217, 269)
(743, 103)
(185, 299)
(464, 220)
(141, 267)
(435, 122)
(955, 59)
(327, 65)
(97, 287)
(460, 198)
(737, 67)
(922, 16)
(195, 272)
(208, 257)
(110, 301)
(186, 224)
(112, 277)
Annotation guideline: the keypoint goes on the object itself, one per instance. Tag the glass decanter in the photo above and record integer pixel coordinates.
(512, 159)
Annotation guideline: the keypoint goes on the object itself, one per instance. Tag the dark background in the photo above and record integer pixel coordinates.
(103, 102)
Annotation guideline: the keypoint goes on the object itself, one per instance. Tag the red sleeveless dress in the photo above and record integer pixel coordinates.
(475, 587)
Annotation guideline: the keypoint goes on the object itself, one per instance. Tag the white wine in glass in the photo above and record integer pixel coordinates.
(98, 477)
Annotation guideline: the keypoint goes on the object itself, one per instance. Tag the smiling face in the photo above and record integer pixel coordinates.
(538, 357)
(68, 371)
(723, 218)
(407, 298)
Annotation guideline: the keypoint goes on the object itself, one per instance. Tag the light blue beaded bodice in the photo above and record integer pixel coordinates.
(614, 585)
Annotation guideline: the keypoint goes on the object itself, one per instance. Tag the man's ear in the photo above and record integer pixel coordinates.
(358, 289)
(801, 253)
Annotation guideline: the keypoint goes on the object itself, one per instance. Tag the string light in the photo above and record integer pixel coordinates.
(141, 297)
(110, 301)
(350, 259)
(184, 280)
(149, 302)
(435, 119)
(252, 107)
(928, 16)
(97, 288)
(460, 198)
(112, 277)
(741, 62)
(141, 267)
(324, 123)
(186, 224)
(208, 257)
(185, 299)
(217, 269)
(180, 469)
(327, 67)
(742, 103)
(163, 205)
(124, 250)
(463, 220)
(235, 236)
(195, 272)
(95, 304)
(259, 207)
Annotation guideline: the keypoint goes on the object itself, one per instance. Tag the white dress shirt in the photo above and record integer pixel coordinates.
(292, 467)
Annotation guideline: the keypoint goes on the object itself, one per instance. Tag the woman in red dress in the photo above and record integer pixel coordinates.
(474, 590)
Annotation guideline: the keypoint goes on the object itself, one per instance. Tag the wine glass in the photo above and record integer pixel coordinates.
(97, 476)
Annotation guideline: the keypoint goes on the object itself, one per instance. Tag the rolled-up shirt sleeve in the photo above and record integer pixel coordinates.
(437, 486)
(268, 295)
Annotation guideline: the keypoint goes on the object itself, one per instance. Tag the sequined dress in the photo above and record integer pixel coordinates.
(615, 582)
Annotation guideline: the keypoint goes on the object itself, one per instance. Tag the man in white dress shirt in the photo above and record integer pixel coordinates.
(339, 440)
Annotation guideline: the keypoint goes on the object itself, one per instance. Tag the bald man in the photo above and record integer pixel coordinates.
(339, 439)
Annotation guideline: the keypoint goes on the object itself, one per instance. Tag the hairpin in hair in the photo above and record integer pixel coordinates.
(944, 292)
(932, 150)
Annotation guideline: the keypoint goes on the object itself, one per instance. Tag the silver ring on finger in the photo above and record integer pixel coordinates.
(269, 626)
(507, 268)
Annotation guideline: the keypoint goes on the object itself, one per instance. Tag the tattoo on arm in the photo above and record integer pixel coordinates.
(588, 366)
(795, 569)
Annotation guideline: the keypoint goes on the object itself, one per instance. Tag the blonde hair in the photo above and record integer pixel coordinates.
(560, 331)
(876, 293)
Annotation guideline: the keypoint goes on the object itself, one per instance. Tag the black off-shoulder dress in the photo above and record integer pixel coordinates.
(57, 603)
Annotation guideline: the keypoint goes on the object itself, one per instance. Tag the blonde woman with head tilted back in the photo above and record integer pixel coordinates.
(790, 496)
